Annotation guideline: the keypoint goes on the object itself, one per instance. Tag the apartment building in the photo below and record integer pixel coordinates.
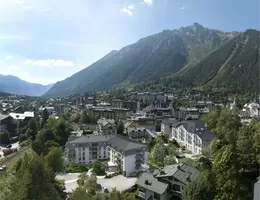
(129, 156)
(193, 134)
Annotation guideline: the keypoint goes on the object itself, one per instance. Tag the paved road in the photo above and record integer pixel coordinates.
(70, 180)
(119, 182)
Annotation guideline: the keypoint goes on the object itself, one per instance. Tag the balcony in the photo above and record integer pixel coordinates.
(118, 162)
(140, 195)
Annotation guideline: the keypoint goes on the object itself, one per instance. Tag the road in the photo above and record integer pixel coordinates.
(119, 182)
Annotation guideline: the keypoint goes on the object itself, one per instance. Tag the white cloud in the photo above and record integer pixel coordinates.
(50, 63)
(183, 7)
(125, 10)
(148, 2)
(131, 7)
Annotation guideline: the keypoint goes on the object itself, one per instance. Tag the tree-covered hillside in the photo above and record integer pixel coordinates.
(149, 58)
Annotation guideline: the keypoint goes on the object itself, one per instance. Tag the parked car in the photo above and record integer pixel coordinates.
(8, 146)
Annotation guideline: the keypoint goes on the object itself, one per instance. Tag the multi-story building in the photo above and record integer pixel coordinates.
(166, 126)
(121, 113)
(106, 127)
(104, 113)
(128, 155)
(139, 133)
(192, 134)
(166, 183)
(4, 121)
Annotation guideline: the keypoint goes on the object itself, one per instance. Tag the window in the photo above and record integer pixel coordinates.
(83, 158)
(176, 187)
(156, 196)
(170, 178)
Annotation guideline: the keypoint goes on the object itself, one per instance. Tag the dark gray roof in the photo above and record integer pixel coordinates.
(122, 143)
(197, 126)
(169, 121)
(90, 139)
(182, 172)
(206, 135)
(148, 182)
(193, 125)
(125, 143)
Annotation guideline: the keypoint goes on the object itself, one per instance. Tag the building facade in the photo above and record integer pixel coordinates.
(106, 127)
(192, 134)
(127, 155)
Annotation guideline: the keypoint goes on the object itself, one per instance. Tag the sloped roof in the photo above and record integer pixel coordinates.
(148, 182)
(182, 172)
(2, 117)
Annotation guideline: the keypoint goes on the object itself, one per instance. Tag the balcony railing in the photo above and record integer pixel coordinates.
(141, 195)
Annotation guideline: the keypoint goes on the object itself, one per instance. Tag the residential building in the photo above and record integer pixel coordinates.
(106, 126)
(4, 122)
(86, 149)
(121, 113)
(128, 155)
(117, 103)
(166, 126)
(166, 183)
(107, 113)
(21, 120)
(192, 134)
(139, 133)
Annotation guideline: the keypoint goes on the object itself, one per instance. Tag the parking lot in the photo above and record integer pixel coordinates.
(119, 182)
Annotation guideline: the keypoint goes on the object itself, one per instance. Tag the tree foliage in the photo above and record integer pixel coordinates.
(120, 128)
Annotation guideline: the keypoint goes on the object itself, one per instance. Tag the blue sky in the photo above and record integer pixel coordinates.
(45, 41)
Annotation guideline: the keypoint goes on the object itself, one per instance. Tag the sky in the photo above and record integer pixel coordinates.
(45, 41)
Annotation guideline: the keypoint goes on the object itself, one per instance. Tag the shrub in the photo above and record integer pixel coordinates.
(98, 169)
(76, 168)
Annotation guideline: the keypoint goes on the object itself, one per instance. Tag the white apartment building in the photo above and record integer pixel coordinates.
(193, 134)
(128, 155)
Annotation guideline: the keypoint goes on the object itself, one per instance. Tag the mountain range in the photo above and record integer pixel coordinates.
(195, 56)
(14, 85)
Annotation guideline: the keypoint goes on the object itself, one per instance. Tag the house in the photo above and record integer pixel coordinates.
(166, 183)
(166, 126)
(192, 134)
(128, 155)
(139, 133)
(21, 120)
(106, 126)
